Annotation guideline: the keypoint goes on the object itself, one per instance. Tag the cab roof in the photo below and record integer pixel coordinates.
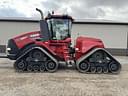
(59, 17)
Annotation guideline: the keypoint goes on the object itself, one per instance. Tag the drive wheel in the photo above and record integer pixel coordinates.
(20, 65)
(83, 67)
(37, 54)
(98, 56)
(99, 70)
(114, 67)
(93, 69)
(51, 66)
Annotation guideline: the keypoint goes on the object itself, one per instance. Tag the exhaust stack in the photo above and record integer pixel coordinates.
(41, 13)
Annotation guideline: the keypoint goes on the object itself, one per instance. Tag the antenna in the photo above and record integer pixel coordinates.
(52, 12)
(41, 13)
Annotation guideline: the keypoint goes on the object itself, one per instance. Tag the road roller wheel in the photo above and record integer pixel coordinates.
(42, 68)
(99, 70)
(105, 69)
(93, 69)
(51, 66)
(29, 68)
(83, 67)
(36, 68)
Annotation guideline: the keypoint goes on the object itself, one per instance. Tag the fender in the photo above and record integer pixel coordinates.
(85, 44)
(41, 49)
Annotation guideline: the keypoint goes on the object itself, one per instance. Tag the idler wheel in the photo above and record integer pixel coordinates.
(114, 67)
(83, 66)
(20, 65)
(51, 66)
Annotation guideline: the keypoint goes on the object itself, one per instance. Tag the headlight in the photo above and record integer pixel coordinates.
(76, 49)
(8, 49)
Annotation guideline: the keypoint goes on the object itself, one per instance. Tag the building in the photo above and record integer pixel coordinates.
(113, 34)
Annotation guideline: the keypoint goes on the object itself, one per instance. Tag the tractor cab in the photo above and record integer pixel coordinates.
(55, 27)
(59, 26)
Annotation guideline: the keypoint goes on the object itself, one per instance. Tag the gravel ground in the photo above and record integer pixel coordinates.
(64, 82)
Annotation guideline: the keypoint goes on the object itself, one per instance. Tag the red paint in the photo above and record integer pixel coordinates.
(59, 48)
(25, 39)
(85, 44)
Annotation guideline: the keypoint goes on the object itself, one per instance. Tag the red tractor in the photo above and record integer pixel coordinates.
(46, 49)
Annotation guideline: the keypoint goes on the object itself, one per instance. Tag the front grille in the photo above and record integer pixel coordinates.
(12, 45)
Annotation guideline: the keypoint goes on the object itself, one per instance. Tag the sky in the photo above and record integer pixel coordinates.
(78, 9)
